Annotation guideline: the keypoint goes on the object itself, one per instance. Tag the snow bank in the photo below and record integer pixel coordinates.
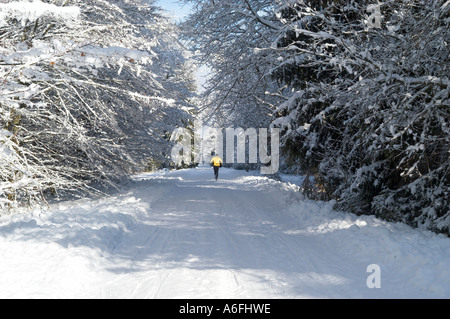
(412, 259)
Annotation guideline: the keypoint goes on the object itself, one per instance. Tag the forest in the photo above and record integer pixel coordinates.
(90, 92)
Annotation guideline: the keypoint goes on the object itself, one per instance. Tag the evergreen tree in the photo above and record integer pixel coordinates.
(369, 118)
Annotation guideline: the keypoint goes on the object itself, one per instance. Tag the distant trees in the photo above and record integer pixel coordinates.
(89, 91)
(225, 35)
(360, 90)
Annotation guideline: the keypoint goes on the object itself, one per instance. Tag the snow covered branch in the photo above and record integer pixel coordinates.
(83, 103)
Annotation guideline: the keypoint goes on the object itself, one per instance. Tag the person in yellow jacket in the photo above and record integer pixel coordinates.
(216, 162)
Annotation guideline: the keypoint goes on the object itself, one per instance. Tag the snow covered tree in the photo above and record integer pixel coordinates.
(358, 88)
(225, 35)
(89, 92)
(369, 118)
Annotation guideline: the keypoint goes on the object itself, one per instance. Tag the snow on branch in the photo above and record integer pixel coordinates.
(30, 11)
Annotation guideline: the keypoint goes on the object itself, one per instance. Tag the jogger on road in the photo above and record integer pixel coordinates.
(216, 162)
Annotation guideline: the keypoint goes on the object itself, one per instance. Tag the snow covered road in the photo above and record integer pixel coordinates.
(183, 235)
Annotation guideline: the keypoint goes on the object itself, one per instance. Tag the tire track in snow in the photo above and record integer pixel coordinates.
(183, 235)
(236, 237)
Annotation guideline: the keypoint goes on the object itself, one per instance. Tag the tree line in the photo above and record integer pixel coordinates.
(358, 89)
(89, 92)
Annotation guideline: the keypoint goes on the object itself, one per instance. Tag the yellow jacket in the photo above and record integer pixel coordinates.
(216, 160)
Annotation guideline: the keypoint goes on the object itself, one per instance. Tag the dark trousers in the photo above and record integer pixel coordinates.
(216, 172)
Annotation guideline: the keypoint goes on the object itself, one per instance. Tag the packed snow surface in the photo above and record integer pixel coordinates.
(182, 234)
